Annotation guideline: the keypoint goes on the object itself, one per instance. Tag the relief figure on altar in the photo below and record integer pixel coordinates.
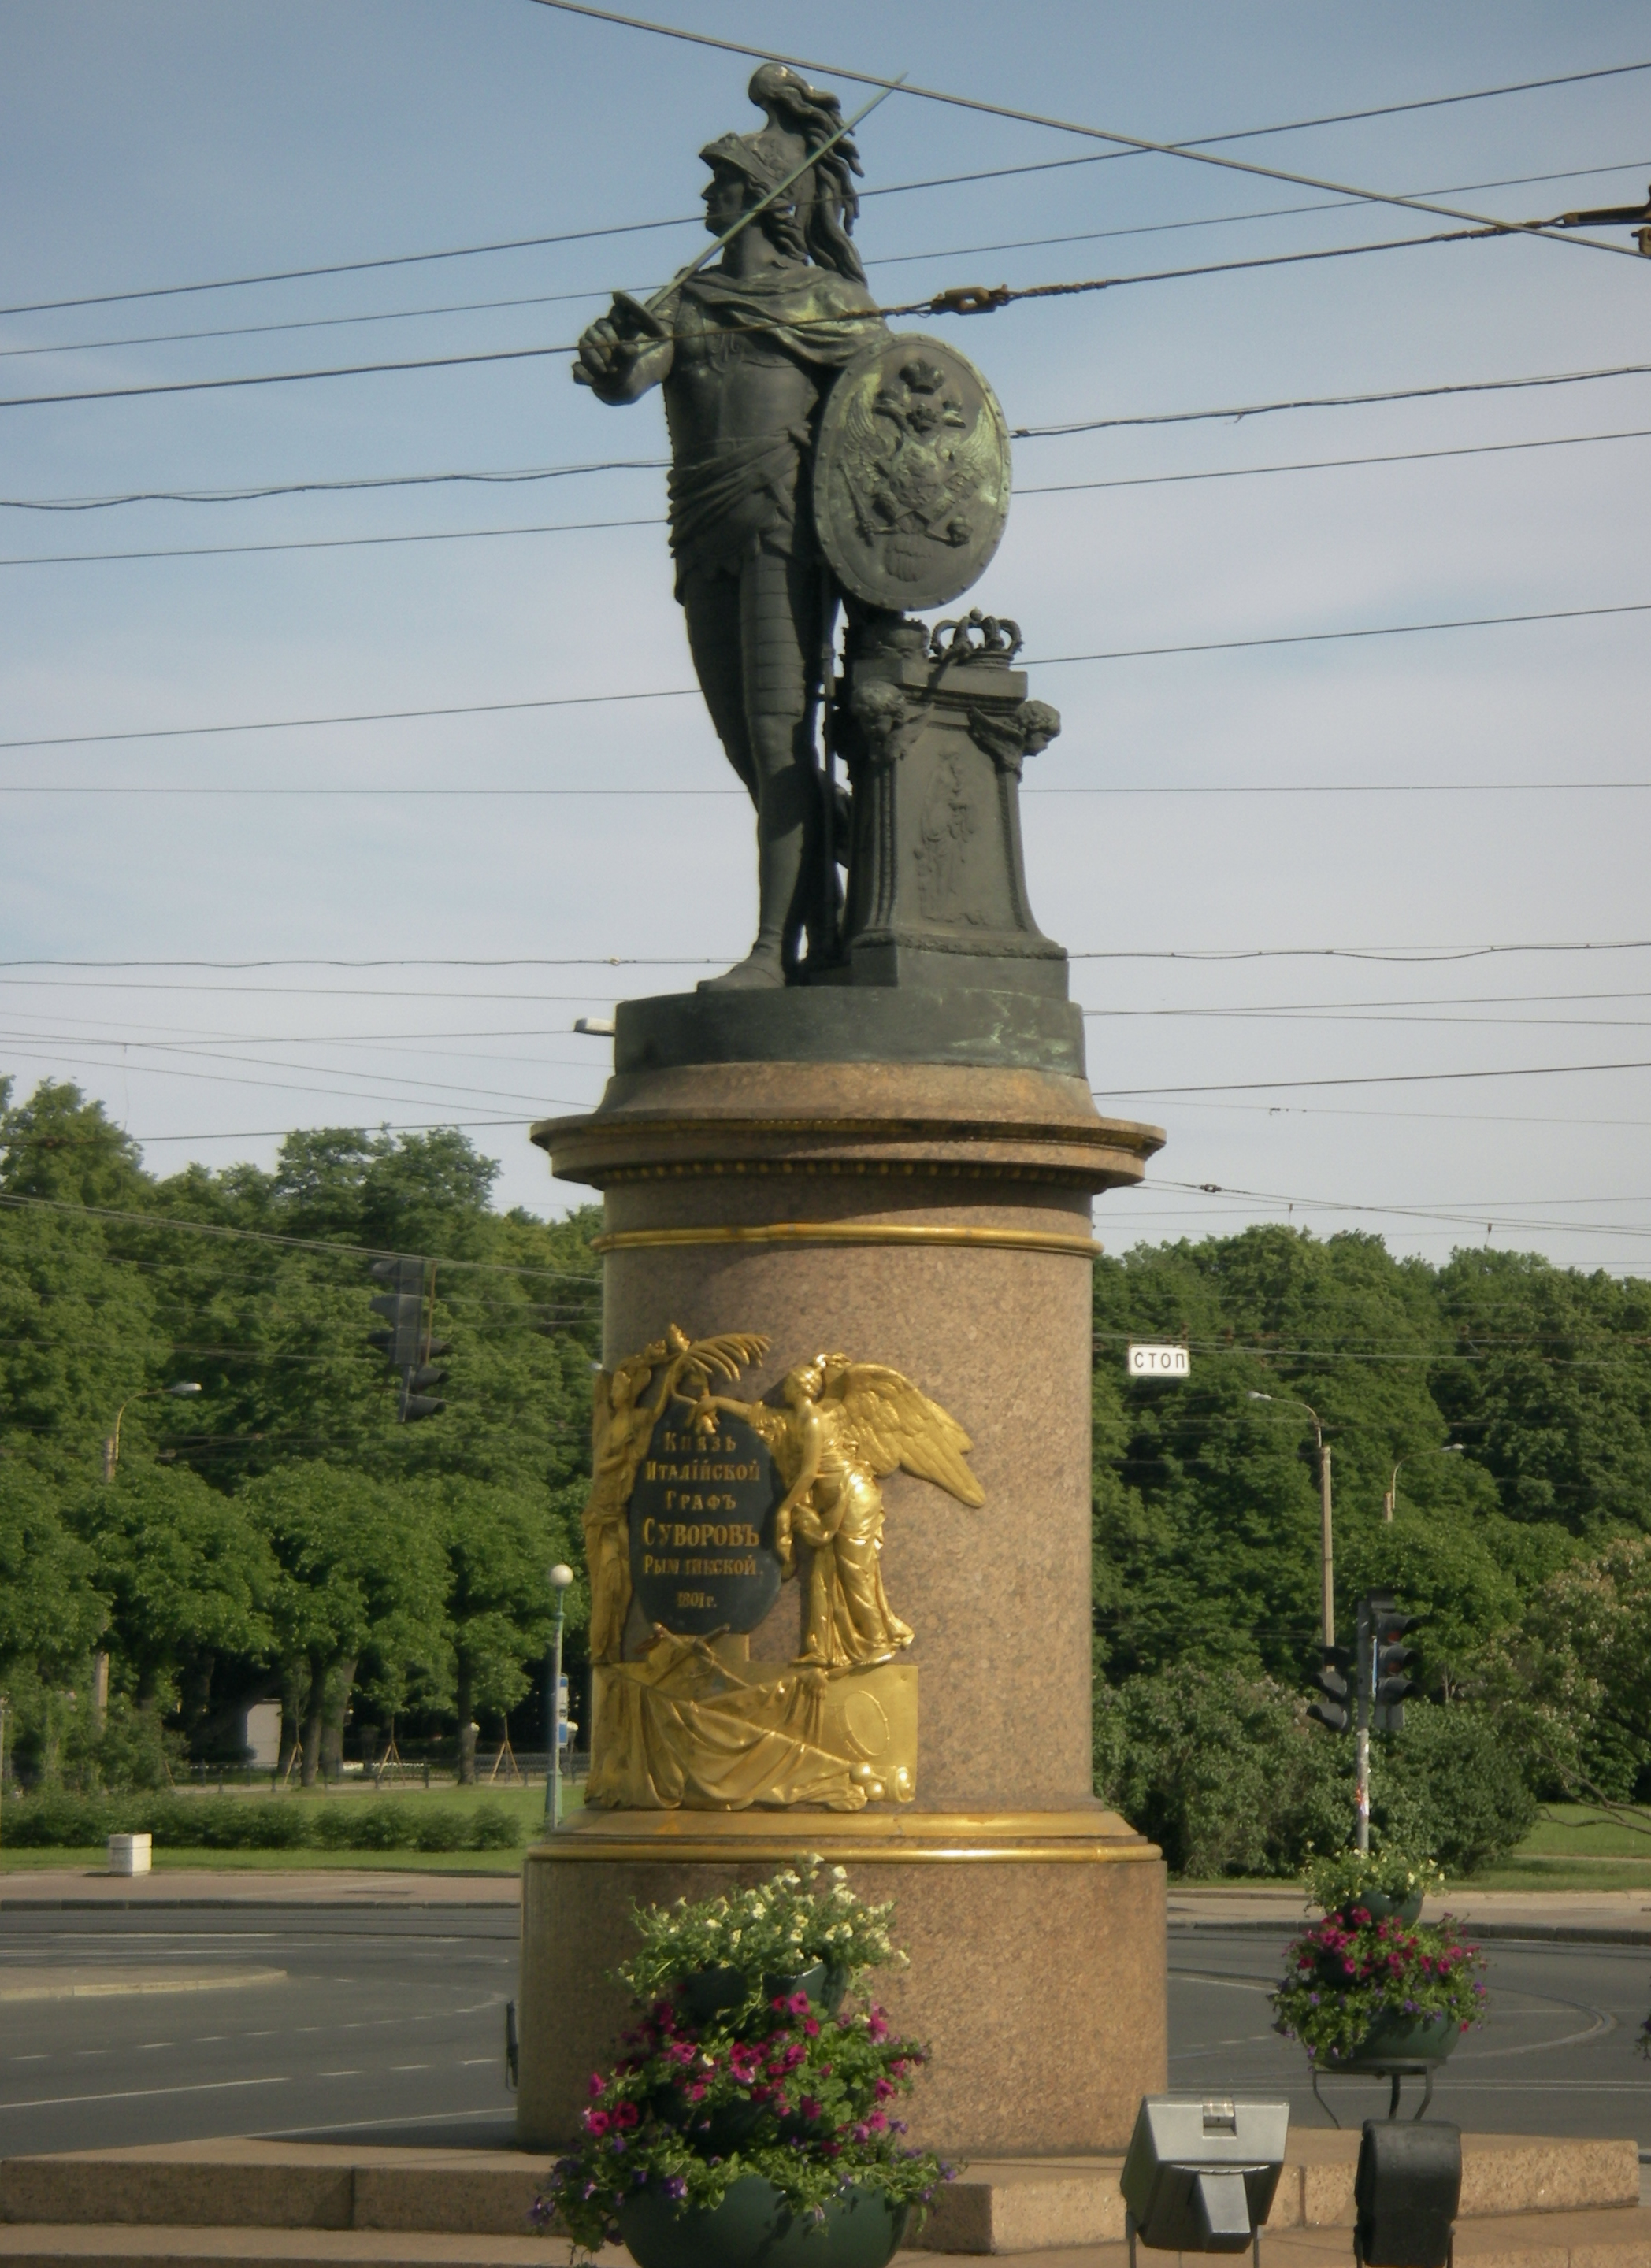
(621, 1426)
(843, 1428)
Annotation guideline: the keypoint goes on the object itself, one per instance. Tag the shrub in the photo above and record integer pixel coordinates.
(494, 1828)
(1228, 1775)
(1450, 1788)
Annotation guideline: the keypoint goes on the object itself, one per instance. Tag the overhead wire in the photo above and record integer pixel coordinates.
(936, 303)
(884, 260)
(685, 692)
(659, 520)
(950, 180)
(1366, 1078)
(1235, 414)
(1190, 152)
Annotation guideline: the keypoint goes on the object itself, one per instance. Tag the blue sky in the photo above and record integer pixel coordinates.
(182, 144)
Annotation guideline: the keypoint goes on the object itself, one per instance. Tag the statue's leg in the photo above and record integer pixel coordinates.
(778, 626)
(711, 607)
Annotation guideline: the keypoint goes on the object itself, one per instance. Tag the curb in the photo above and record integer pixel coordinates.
(255, 1905)
(1539, 1933)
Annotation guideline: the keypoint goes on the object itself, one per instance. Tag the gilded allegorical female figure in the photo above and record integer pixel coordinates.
(844, 1425)
(621, 1426)
(745, 353)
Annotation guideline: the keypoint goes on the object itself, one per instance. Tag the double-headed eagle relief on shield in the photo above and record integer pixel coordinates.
(911, 474)
(701, 1505)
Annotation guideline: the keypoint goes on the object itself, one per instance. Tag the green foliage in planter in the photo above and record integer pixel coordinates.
(1338, 1880)
(1342, 1976)
(776, 1930)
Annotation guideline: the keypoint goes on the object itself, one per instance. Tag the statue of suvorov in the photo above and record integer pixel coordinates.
(746, 353)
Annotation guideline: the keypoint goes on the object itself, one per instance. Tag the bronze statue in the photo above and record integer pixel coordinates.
(746, 353)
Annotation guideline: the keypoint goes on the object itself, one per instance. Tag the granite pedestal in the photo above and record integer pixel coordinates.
(932, 1215)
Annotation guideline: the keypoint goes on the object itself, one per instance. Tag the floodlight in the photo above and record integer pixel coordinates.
(1201, 2172)
(1406, 2194)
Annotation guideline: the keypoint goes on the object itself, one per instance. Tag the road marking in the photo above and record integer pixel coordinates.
(410, 2067)
(338, 2074)
(133, 2094)
(143, 2046)
(468, 2063)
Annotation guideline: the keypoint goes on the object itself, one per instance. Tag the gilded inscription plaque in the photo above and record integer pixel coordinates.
(701, 1505)
(702, 1528)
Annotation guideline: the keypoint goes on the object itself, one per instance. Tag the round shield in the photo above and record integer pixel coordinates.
(910, 473)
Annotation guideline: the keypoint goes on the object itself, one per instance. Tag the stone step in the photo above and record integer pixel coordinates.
(1619, 2238)
(1043, 2205)
(240, 2192)
(56, 2244)
(240, 2183)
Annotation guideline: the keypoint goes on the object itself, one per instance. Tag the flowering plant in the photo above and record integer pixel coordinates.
(690, 2109)
(778, 1929)
(775, 2086)
(1348, 1971)
(1339, 1881)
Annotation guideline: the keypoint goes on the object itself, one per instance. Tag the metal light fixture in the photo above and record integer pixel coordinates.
(1201, 2173)
(1406, 2194)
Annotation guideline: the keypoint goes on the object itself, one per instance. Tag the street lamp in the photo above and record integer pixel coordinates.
(112, 1445)
(560, 1578)
(1390, 1501)
(1328, 1610)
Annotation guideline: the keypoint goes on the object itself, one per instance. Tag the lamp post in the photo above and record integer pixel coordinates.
(1327, 1607)
(560, 1578)
(112, 1445)
(1390, 1501)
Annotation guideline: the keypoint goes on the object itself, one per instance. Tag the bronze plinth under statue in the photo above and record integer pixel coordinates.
(838, 1527)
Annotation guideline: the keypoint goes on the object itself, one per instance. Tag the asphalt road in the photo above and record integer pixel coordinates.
(389, 2028)
(1556, 2054)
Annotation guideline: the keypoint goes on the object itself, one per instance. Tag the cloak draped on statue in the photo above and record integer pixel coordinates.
(749, 492)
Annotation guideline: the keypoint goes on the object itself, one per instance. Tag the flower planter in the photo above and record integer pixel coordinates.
(1380, 1907)
(711, 1992)
(1395, 2037)
(755, 2228)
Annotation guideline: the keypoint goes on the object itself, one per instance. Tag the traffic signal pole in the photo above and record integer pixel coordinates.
(1367, 1685)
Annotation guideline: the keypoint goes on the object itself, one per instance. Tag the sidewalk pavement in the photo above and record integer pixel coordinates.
(1588, 1917)
(45, 1887)
(1583, 1917)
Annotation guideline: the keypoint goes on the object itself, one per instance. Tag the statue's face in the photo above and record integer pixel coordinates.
(725, 201)
(803, 1385)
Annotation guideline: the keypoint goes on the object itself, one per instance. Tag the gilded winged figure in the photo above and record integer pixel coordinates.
(622, 1425)
(844, 1425)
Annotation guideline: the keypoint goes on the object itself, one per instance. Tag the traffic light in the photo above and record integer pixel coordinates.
(407, 1345)
(1393, 1657)
(1331, 1679)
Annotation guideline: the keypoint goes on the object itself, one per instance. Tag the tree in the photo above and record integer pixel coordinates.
(51, 1617)
(186, 1579)
(500, 1548)
(360, 1588)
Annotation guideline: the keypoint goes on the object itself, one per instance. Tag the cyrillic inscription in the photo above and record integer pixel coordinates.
(701, 1557)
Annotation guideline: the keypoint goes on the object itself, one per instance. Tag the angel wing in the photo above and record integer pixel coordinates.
(895, 1424)
(979, 465)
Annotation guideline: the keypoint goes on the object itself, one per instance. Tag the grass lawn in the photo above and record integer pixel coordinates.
(526, 1804)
